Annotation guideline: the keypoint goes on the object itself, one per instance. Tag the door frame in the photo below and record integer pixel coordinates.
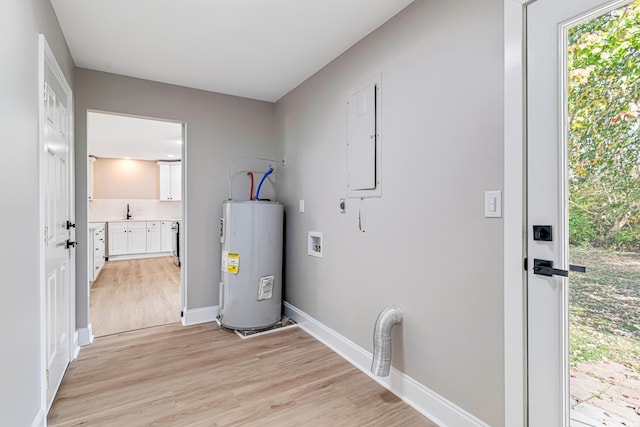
(86, 336)
(514, 206)
(45, 54)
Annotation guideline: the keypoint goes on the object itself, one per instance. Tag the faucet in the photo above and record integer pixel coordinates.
(128, 213)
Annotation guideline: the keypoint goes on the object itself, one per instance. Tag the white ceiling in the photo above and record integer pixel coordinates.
(109, 135)
(258, 49)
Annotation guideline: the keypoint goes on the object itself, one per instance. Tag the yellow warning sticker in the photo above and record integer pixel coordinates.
(233, 262)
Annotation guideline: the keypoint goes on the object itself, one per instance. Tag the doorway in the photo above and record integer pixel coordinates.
(574, 145)
(134, 167)
(603, 79)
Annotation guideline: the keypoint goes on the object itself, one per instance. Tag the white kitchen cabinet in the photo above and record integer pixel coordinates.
(118, 238)
(170, 181)
(90, 185)
(165, 235)
(127, 237)
(97, 251)
(137, 237)
(154, 236)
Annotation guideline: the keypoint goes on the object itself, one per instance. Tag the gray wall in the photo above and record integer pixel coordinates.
(427, 246)
(219, 128)
(20, 23)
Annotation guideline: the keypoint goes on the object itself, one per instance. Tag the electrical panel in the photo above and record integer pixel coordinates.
(363, 140)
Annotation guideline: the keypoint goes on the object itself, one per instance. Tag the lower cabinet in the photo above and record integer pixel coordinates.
(97, 251)
(165, 234)
(154, 238)
(127, 238)
(139, 237)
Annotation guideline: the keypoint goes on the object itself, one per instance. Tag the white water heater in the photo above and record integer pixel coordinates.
(251, 234)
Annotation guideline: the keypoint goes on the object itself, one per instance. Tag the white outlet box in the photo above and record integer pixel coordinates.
(314, 244)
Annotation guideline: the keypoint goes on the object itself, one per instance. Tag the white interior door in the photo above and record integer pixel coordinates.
(56, 172)
(547, 323)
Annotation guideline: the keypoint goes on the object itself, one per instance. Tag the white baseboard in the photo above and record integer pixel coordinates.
(85, 335)
(38, 421)
(429, 403)
(138, 256)
(76, 346)
(200, 315)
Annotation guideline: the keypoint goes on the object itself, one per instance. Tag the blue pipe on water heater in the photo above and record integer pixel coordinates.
(267, 173)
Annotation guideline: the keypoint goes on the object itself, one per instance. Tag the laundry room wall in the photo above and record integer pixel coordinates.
(21, 22)
(219, 128)
(424, 245)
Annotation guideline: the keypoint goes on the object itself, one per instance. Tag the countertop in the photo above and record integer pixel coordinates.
(102, 221)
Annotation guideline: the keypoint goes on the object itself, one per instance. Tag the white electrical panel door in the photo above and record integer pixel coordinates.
(361, 139)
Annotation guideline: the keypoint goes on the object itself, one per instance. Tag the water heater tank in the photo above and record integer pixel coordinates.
(251, 234)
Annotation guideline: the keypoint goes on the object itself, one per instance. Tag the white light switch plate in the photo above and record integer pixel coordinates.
(301, 206)
(493, 204)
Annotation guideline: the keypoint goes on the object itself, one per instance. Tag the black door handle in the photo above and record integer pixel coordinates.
(70, 244)
(70, 225)
(544, 267)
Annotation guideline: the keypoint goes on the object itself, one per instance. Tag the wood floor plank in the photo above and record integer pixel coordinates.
(206, 376)
(135, 294)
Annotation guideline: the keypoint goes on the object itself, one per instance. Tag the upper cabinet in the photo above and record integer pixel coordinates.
(170, 181)
(90, 162)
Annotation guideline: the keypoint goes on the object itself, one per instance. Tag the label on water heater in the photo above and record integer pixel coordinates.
(233, 262)
(265, 288)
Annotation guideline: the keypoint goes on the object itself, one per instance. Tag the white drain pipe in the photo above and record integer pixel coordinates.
(387, 318)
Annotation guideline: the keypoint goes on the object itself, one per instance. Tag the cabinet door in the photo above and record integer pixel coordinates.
(99, 248)
(154, 243)
(92, 250)
(176, 181)
(90, 161)
(118, 238)
(165, 181)
(165, 236)
(137, 237)
(98, 252)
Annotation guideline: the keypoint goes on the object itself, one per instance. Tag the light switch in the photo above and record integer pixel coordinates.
(493, 204)
(301, 206)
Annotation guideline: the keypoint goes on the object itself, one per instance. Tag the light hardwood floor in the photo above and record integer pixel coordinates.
(135, 294)
(206, 376)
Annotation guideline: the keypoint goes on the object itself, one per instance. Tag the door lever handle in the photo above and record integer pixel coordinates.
(577, 268)
(70, 244)
(544, 267)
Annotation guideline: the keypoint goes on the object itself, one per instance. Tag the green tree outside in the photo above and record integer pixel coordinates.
(604, 134)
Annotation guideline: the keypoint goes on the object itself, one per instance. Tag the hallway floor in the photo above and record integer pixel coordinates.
(135, 294)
